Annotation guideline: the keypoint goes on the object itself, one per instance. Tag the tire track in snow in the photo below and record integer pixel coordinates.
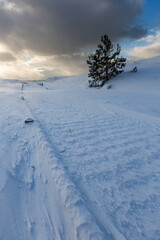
(120, 170)
(85, 224)
(23, 199)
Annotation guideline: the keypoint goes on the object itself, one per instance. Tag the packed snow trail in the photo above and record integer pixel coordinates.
(29, 203)
(39, 199)
(112, 158)
(84, 223)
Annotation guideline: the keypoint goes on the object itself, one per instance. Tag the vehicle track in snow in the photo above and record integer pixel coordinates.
(27, 188)
(84, 223)
(109, 156)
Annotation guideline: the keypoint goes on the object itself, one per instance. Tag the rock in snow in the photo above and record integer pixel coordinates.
(29, 120)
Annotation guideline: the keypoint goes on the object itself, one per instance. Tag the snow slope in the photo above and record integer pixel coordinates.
(88, 167)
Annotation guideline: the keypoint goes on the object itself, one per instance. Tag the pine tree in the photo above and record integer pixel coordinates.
(104, 64)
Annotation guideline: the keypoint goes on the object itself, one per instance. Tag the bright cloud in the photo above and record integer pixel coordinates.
(33, 67)
(150, 46)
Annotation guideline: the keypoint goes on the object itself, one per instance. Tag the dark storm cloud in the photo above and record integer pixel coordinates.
(6, 23)
(65, 26)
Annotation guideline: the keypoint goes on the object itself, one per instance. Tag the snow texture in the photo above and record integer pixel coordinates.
(88, 167)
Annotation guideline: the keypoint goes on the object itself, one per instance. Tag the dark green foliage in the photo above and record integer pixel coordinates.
(104, 64)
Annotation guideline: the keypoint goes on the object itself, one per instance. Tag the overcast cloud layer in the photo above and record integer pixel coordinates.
(56, 27)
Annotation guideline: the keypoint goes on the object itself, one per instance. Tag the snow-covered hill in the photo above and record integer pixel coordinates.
(88, 167)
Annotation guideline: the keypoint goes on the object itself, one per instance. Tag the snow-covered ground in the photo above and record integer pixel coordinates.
(88, 167)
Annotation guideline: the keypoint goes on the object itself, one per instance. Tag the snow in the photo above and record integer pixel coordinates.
(88, 167)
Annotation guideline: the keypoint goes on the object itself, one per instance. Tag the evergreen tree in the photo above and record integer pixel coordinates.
(104, 64)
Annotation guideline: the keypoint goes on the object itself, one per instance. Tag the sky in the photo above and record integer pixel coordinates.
(46, 38)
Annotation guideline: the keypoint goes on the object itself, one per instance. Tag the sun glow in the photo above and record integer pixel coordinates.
(3, 48)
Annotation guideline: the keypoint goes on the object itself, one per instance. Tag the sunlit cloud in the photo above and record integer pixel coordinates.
(3, 48)
(150, 46)
(29, 66)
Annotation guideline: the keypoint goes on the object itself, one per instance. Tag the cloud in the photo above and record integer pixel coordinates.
(42, 67)
(62, 27)
(6, 57)
(44, 38)
(150, 46)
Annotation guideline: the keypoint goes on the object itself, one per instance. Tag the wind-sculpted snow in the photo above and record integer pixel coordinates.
(38, 196)
(84, 224)
(88, 166)
(112, 158)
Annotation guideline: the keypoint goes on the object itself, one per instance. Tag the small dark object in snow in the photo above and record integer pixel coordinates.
(62, 151)
(28, 120)
(22, 98)
(69, 129)
(134, 69)
(33, 167)
(108, 86)
(22, 87)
